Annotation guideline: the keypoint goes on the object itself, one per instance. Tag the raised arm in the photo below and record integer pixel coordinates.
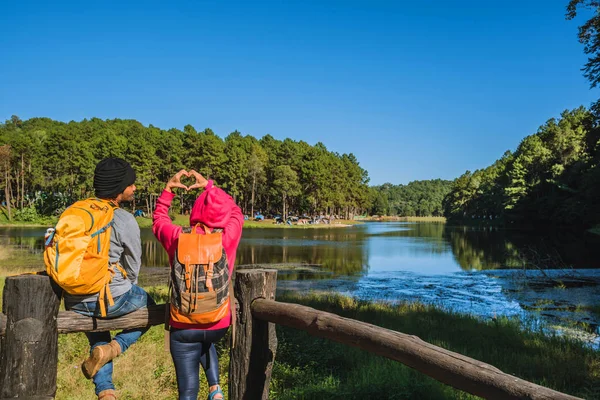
(165, 231)
(232, 232)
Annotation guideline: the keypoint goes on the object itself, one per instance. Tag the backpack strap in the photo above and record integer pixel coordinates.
(205, 228)
(105, 296)
(167, 326)
(233, 312)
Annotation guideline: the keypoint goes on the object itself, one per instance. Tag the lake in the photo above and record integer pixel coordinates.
(553, 279)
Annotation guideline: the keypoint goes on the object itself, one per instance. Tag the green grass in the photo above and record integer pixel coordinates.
(404, 219)
(184, 220)
(269, 223)
(312, 368)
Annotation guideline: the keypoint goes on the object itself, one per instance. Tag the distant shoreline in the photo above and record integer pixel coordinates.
(401, 219)
(183, 220)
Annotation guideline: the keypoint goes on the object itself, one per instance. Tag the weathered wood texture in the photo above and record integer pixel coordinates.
(451, 368)
(71, 322)
(255, 343)
(28, 363)
(2, 324)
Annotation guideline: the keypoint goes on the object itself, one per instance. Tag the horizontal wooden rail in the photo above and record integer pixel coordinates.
(71, 322)
(451, 368)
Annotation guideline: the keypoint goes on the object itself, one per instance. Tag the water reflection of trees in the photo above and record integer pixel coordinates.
(154, 254)
(491, 248)
(431, 233)
(18, 253)
(339, 252)
(340, 259)
(476, 249)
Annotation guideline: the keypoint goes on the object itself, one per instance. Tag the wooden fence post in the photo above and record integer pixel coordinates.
(255, 341)
(28, 363)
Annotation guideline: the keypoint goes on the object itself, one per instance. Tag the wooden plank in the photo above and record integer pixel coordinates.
(255, 342)
(451, 368)
(71, 322)
(29, 360)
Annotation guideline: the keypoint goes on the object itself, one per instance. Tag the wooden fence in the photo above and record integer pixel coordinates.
(30, 324)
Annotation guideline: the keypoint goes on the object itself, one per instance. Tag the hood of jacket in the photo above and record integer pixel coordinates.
(212, 208)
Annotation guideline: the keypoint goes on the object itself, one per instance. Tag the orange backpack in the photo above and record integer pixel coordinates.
(76, 252)
(200, 285)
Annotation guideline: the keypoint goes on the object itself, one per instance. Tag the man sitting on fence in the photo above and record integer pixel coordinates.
(114, 181)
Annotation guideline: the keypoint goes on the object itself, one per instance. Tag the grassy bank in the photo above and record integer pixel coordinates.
(403, 219)
(311, 368)
(183, 220)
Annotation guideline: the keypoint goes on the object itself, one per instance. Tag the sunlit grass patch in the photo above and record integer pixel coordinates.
(145, 371)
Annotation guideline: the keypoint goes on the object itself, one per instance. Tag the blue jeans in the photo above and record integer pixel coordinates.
(126, 303)
(189, 349)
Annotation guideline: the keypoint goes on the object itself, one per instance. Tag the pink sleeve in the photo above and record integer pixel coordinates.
(165, 231)
(232, 233)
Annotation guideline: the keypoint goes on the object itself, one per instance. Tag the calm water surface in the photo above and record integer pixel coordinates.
(486, 272)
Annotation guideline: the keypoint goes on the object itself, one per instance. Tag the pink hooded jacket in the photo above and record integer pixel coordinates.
(213, 208)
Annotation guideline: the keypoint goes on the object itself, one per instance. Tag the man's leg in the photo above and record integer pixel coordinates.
(136, 298)
(103, 378)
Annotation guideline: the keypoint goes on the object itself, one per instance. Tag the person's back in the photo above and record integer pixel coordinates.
(193, 344)
(114, 181)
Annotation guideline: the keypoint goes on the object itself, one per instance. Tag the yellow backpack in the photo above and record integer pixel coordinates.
(76, 252)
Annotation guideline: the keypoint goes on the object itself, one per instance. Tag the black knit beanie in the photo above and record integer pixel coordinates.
(111, 177)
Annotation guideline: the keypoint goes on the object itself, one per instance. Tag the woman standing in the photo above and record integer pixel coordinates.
(192, 345)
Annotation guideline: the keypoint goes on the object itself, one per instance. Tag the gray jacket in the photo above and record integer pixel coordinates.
(126, 249)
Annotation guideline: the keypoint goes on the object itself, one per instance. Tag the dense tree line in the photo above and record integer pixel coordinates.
(553, 177)
(417, 198)
(46, 164)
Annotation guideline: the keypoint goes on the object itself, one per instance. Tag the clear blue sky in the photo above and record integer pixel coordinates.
(415, 89)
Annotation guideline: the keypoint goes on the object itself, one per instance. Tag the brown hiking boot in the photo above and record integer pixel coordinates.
(100, 356)
(108, 394)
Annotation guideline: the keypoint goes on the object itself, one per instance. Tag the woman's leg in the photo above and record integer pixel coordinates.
(209, 358)
(189, 349)
(185, 352)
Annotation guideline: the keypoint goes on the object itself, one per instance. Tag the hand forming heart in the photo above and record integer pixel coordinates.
(175, 181)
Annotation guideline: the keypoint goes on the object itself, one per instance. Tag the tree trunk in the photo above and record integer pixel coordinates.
(7, 192)
(22, 180)
(253, 188)
(18, 187)
(283, 218)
